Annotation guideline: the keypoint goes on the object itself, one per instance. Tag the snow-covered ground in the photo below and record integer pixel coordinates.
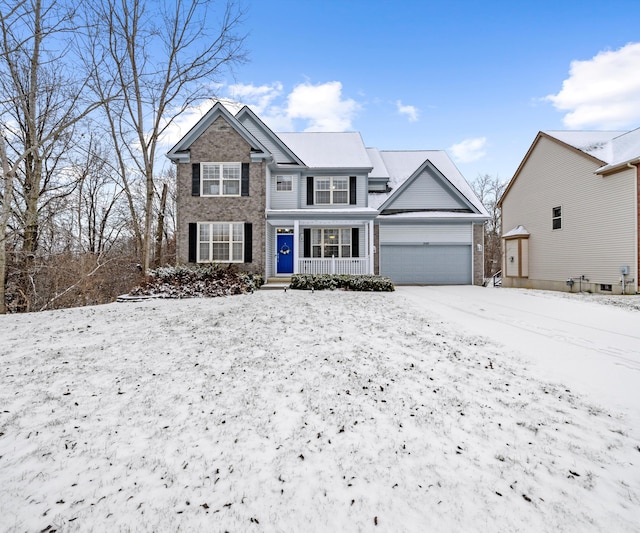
(325, 411)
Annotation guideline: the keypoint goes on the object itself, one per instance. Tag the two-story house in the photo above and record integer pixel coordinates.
(278, 204)
(570, 213)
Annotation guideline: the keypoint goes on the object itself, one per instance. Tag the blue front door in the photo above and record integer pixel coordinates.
(285, 253)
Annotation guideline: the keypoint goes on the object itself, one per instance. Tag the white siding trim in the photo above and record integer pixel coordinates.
(431, 233)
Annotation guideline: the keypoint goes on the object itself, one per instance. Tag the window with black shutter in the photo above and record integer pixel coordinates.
(245, 179)
(310, 192)
(193, 242)
(353, 197)
(195, 179)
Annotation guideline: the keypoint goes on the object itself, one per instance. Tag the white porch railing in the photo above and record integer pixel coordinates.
(334, 265)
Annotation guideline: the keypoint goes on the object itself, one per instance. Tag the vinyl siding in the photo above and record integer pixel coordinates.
(432, 233)
(285, 199)
(279, 155)
(271, 251)
(598, 216)
(427, 192)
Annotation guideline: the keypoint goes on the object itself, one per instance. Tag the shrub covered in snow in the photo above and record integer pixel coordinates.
(197, 282)
(347, 282)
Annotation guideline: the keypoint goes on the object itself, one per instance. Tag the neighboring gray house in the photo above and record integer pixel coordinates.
(570, 213)
(278, 204)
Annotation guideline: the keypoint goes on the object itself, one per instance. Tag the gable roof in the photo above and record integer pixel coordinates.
(281, 152)
(328, 150)
(180, 152)
(612, 149)
(595, 143)
(404, 167)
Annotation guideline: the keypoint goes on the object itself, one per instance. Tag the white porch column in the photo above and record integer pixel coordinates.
(371, 224)
(296, 245)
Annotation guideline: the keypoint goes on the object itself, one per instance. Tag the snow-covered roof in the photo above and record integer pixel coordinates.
(379, 169)
(518, 231)
(615, 148)
(328, 150)
(401, 165)
(594, 143)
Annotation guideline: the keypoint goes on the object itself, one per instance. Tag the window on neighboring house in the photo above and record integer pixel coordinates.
(284, 183)
(331, 190)
(331, 242)
(220, 179)
(556, 218)
(220, 242)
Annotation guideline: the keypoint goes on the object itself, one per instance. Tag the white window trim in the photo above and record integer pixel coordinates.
(289, 177)
(211, 242)
(554, 218)
(222, 179)
(331, 189)
(339, 243)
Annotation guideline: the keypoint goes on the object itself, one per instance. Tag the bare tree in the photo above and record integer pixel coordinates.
(160, 59)
(489, 189)
(99, 220)
(42, 102)
(5, 213)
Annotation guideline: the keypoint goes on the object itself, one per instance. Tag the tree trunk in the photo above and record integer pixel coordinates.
(5, 212)
(160, 228)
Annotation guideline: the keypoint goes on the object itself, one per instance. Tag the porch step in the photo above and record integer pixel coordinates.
(276, 284)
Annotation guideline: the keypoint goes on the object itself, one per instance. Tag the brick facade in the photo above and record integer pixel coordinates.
(221, 143)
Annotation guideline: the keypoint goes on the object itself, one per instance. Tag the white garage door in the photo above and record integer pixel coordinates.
(426, 264)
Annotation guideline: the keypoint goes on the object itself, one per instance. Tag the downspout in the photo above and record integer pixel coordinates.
(268, 263)
(634, 165)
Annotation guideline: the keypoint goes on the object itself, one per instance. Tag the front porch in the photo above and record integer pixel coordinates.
(339, 247)
(334, 265)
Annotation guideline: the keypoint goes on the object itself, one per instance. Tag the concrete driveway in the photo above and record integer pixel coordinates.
(591, 348)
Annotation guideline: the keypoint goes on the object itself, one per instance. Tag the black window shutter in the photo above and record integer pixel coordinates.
(248, 242)
(195, 179)
(309, 191)
(307, 242)
(193, 242)
(244, 189)
(353, 197)
(355, 242)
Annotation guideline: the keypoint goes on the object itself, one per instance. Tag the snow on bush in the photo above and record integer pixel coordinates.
(197, 282)
(347, 282)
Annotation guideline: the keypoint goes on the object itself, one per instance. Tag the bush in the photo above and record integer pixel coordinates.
(197, 282)
(321, 282)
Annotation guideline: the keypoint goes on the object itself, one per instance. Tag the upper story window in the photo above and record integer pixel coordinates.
(556, 218)
(220, 179)
(331, 191)
(284, 183)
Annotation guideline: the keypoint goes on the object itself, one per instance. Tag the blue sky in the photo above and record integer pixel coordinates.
(478, 79)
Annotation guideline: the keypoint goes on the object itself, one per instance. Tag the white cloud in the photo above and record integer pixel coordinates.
(322, 106)
(260, 97)
(183, 123)
(409, 110)
(602, 92)
(469, 150)
(318, 107)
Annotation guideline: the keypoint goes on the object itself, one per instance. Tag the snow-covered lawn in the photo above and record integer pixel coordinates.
(294, 411)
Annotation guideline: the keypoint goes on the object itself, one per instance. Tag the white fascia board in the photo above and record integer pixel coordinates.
(332, 171)
(321, 215)
(199, 128)
(402, 218)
